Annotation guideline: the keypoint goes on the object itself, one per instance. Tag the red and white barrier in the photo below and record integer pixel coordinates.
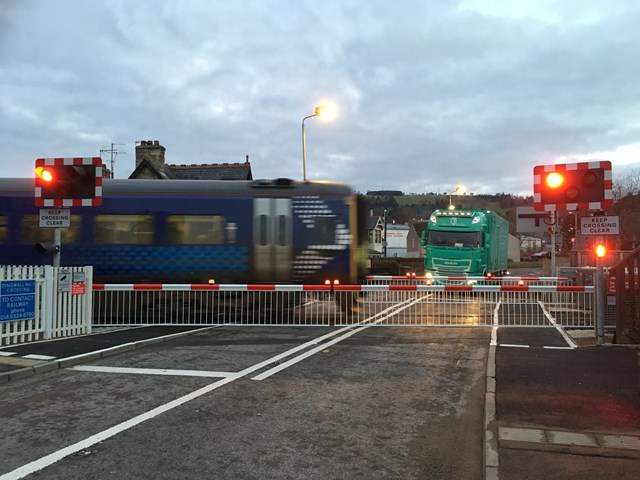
(166, 287)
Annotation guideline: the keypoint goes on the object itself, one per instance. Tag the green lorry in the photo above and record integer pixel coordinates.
(465, 243)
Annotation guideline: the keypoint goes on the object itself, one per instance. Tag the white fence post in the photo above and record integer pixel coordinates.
(48, 300)
(88, 300)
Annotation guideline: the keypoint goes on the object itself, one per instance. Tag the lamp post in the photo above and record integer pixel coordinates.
(318, 112)
(460, 189)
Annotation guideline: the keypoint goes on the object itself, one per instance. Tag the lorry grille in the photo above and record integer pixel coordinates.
(445, 267)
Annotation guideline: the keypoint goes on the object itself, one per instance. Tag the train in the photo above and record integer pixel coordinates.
(197, 231)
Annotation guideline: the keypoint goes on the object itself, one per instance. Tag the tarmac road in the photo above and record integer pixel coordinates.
(382, 403)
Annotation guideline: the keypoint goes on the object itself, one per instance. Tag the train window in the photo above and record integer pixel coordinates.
(195, 229)
(32, 233)
(323, 231)
(123, 229)
(282, 231)
(4, 229)
(262, 230)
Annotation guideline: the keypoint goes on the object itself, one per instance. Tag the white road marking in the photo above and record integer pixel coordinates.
(34, 356)
(513, 345)
(367, 323)
(7, 354)
(566, 337)
(154, 371)
(54, 457)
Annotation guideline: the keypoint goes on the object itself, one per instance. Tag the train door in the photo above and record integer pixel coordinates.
(272, 239)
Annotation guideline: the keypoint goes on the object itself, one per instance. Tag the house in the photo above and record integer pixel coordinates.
(150, 163)
(414, 238)
(513, 248)
(375, 229)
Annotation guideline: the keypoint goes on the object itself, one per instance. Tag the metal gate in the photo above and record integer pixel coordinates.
(408, 305)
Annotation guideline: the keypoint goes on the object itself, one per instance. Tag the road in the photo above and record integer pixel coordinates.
(382, 402)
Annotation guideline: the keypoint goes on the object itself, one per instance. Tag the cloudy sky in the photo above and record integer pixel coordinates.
(429, 94)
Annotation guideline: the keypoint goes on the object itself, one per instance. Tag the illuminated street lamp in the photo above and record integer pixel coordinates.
(460, 189)
(323, 111)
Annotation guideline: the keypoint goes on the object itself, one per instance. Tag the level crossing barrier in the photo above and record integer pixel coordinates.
(464, 280)
(436, 305)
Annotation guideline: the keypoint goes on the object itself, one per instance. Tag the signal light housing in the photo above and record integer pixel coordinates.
(572, 186)
(47, 248)
(66, 182)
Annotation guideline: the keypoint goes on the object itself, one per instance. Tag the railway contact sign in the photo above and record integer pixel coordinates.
(600, 225)
(17, 300)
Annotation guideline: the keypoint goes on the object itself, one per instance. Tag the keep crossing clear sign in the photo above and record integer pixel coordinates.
(600, 225)
(17, 300)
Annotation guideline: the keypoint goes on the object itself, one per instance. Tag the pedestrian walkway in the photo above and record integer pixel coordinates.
(19, 361)
(566, 414)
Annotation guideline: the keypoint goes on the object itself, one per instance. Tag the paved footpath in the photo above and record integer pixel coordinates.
(566, 414)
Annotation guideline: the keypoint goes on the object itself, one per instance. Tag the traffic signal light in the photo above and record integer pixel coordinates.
(573, 186)
(600, 250)
(65, 182)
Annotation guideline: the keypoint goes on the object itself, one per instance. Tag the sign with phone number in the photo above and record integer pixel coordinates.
(17, 300)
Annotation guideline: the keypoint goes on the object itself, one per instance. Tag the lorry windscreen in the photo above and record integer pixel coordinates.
(453, 239)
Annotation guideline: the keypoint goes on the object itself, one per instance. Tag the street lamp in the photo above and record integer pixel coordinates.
(460, 189)
(323, 111)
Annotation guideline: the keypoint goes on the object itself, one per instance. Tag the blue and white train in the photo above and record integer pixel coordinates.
(198, 231)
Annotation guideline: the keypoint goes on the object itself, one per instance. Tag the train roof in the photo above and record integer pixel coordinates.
(284, 186)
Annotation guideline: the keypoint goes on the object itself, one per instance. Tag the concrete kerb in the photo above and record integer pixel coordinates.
(490, 457)
(87, 357)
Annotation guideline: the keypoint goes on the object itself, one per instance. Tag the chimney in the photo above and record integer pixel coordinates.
(152, 151)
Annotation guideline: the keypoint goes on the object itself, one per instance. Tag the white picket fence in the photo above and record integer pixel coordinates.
(61, 309)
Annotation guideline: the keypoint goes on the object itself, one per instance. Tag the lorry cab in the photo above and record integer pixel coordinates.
(465, 243)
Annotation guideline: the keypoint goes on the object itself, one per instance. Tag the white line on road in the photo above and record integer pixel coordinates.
(54, 457)
(154, 371)
(34, 356)
(566, 337)
(362, 326)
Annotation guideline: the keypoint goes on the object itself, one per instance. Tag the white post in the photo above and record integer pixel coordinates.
(88, 301)
(48, 302)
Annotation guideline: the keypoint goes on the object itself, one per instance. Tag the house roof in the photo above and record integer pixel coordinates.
(211, 171)
(146, 165)
(373, 222)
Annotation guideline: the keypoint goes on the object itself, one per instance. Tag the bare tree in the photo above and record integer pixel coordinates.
(627, 183)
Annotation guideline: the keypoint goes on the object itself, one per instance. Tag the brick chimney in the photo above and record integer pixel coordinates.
(152, 151)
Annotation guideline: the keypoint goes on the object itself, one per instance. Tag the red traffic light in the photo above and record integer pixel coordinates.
(572, 186)
(45, 174)
(554, 180)
(600, 250)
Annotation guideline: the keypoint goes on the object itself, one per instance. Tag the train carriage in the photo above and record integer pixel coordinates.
(198, 231)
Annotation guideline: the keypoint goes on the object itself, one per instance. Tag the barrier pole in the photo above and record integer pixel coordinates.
(600, 286)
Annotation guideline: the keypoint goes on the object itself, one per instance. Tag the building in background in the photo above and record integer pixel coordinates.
(150, 163)
(375, 229)
(414, 238)
(396, 240)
